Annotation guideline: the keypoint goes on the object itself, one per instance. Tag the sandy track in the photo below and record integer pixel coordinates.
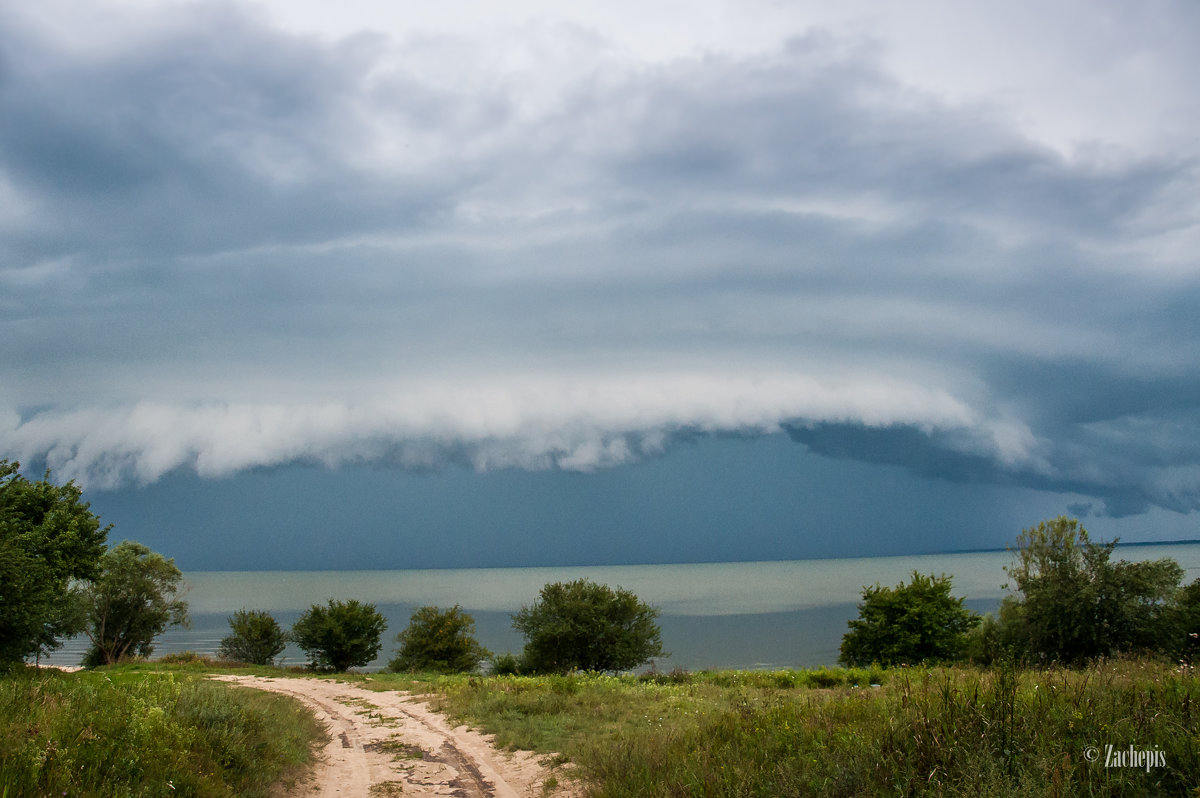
(391, 743)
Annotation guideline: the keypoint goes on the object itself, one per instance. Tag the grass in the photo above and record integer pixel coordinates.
(924, 731)
(131, 732)
(150, 729)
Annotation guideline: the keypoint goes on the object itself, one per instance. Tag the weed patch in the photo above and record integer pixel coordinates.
(145, 734)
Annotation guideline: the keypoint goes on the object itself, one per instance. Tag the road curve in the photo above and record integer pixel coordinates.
(392, 743)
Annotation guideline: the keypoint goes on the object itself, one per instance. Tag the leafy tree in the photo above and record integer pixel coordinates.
(581, 625)
(256, 638)
(437, 640)
(913, 623)
(48, 537)
(132, 601)
(340, 635)
(1073, 604)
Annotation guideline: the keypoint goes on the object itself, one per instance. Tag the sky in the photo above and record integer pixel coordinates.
(292, 284)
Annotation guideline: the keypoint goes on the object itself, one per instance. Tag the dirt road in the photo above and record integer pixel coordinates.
(390, 743)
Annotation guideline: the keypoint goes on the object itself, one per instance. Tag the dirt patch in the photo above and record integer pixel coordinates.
(392, 743)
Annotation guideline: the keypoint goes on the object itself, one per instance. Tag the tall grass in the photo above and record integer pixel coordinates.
(145, 734)
(938, 731)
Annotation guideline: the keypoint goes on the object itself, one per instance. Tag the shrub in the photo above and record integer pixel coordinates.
(581, 625)
(340, 635)
(917, 622)
(437, 640)
(507, 664)
(256, 638)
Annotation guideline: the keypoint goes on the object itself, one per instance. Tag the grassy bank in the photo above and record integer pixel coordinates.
(129, 732)
(952, 731)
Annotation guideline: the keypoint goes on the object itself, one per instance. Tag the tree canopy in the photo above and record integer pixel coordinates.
(1073, 604)
(255, 637)
(135, 597)
(586, 626)
(909, 623)
(438, 640)
(340, 635)
(48, 538)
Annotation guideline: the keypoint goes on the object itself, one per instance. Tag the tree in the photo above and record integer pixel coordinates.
(339, 636)
(913, 623)
(437, 640)
(581, 625)
(1073, 604)
(135, 598)
(256, 638)
(48, 537)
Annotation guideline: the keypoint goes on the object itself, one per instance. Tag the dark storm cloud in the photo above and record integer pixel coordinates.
(230, 247)
(213, 133)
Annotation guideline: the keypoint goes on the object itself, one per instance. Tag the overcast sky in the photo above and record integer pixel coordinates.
(467, 271)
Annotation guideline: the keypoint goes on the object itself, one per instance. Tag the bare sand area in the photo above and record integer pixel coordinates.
(392, 743)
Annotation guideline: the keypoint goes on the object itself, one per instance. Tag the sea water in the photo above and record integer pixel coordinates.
(712, 615)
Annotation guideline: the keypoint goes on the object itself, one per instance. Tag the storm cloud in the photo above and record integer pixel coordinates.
(230, 245)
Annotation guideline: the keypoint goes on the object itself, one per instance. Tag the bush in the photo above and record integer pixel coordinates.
(257, 638)
(339, 636)
(985, 643)
(581, 625)
(507, 664)
(436, 640)
(913, 623)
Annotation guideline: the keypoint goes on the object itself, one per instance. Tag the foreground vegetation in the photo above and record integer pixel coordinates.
(155, 729)
(922, 731)
(129, 733)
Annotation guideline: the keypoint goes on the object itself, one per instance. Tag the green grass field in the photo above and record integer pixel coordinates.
(936, 731)
(134, 732)
(157, 729)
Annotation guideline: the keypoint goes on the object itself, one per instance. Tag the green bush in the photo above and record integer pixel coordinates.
(581, 625)
(506, 664)
(441, 641)
(913, 623)
(340, 635)
(256, 638)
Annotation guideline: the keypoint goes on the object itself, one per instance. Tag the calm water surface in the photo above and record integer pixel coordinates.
(716, 615)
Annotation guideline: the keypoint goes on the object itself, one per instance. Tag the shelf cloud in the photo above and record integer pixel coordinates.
(232, 244)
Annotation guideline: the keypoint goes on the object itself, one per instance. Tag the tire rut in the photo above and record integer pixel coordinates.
(388, 743)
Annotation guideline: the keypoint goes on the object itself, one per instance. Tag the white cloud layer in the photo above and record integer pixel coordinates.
(529, 423)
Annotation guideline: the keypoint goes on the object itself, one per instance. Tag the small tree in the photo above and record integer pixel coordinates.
(438, 640)
(134, 599)
(340, 635)
(256, 638)
(48, 537)
(581, 625)
(1072, 604)
(917, 622)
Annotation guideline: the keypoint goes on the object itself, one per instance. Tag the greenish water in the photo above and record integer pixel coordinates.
(713, 615)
